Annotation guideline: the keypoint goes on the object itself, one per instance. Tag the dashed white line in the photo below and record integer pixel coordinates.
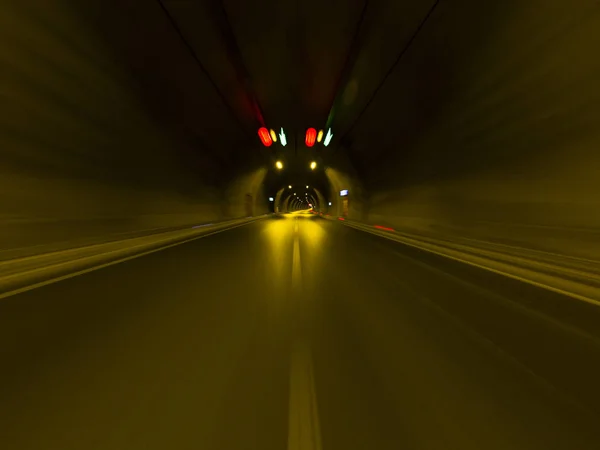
(304, 432)
(303, 429)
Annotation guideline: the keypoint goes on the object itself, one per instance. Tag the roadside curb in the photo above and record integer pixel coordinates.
(579, 279)
(23, 274)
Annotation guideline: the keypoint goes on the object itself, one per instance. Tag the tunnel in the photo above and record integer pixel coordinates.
(301, 225)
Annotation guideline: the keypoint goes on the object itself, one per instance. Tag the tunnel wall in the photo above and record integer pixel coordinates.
(321, 201)
(342, 175)
(249, 184)
(80, 153)
(504, 147)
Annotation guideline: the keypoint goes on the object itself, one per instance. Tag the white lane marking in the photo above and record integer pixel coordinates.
(303, 432)
(117, 261)
(303, 429)
(296, 266)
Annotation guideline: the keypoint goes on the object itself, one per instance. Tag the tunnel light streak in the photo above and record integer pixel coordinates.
(328, 138)
(313, 165)
(341, 218)
(203, 225)
(273, 136)
(311, 135)
(380, 227)
(320, 136)
(344, 193)
(279, 165)
(264, 136)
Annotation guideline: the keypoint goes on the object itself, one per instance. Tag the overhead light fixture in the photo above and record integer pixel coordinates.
(279, 165)
(306, 186)
(311, 136)
(328, 138)
(265, 137)
(282, 138)
(313, 165)
(270, 199)
(290, 186)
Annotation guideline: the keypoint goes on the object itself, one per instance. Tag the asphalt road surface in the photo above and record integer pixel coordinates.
(297, 333)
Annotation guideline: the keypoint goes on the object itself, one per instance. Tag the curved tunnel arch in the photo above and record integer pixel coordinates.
(283, 200)
(335, 173)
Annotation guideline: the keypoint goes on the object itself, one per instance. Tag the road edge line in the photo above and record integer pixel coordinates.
(480, 266)
(141, 253)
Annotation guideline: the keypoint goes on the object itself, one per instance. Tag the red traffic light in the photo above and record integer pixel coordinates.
(265, 137)
(311, 137)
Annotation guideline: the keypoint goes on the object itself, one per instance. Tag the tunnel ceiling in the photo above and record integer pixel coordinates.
(214, 71)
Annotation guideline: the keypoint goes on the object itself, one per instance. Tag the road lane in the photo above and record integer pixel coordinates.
(185, 348)
(403, 357)
(227, 341)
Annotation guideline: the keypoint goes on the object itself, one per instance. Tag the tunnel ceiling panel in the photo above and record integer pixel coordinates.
(200, 65)
(176, 89)
(385, 30)
(295, 53)
(203, 26)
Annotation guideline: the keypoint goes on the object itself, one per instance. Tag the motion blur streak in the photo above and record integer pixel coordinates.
(164, 285)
